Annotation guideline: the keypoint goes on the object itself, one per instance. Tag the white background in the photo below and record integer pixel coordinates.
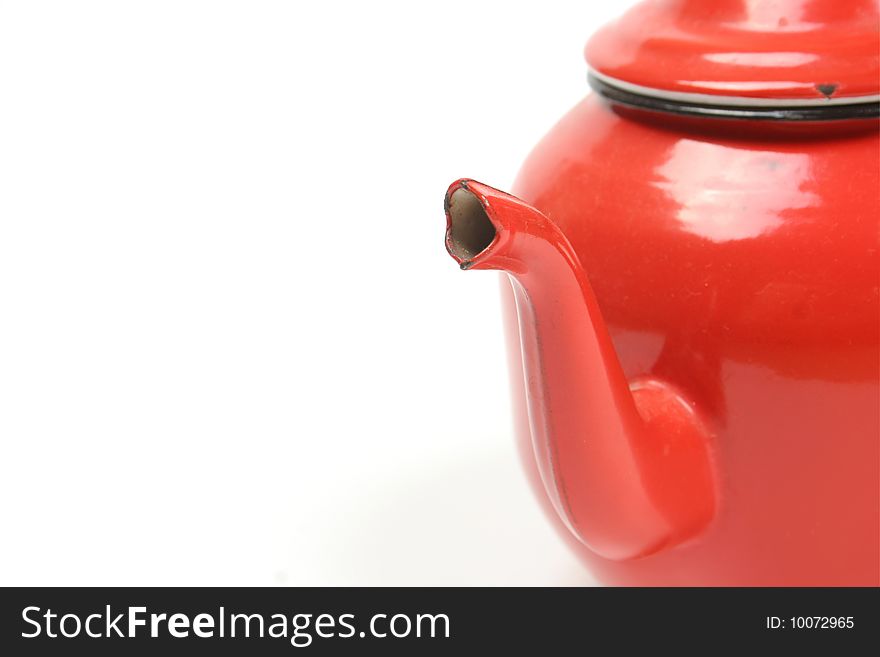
(233, 349)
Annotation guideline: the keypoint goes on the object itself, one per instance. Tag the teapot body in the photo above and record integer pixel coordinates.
(739, 261)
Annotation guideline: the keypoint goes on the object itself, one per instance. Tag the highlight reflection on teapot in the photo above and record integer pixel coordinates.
(692, 308)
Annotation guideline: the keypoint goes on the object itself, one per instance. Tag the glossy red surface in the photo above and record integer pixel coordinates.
(795, 49)
(734, 267)
(595, 435)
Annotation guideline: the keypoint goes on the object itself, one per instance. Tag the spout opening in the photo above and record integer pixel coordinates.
(470, 230)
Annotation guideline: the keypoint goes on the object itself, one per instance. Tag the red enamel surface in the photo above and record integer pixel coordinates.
(740, 268)
(693, 306)
(644, 452)
(753, 48)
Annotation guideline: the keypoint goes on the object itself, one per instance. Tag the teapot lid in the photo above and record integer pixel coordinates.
(744, 52)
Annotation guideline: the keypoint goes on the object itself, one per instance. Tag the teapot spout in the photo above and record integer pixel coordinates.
(626, 464)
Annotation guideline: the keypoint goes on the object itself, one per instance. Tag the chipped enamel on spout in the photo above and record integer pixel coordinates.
(626, 464)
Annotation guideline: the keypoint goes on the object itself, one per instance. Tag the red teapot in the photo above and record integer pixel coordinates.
(692, 308)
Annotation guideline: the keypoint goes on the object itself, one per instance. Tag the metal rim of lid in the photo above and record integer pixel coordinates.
(734, 107)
